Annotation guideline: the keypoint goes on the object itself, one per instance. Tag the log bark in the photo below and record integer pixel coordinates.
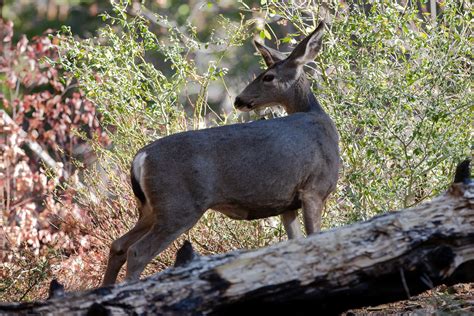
(388, 258)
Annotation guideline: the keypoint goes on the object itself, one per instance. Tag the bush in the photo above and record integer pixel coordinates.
(139, 104)
(398, 87)
(394, 82)
(41, 118)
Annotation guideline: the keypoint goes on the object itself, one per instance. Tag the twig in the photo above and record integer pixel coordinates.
(404, 282)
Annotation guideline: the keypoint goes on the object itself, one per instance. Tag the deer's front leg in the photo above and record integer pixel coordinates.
(312, 212)
(291, 224)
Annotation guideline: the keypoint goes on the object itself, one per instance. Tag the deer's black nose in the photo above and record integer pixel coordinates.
(238, 102)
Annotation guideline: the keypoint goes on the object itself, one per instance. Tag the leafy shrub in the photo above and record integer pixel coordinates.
(392, 80)
(42, 223)
(139, 104)
(395, 82)
(397, 85)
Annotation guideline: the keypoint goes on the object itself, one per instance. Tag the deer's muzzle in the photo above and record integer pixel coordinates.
(241, 105)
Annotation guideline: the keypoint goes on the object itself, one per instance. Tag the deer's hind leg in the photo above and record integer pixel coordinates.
(118, 249)
(169, 224)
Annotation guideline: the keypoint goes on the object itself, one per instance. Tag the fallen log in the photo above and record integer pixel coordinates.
(388, 258)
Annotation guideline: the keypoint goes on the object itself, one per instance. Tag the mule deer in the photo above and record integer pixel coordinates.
(245, 171)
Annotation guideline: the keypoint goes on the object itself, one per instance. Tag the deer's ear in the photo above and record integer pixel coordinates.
(270, 55)
(308, 48)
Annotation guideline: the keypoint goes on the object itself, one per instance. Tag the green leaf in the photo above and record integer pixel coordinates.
(267, 34)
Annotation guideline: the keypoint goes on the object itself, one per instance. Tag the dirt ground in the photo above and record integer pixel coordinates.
(443, 300)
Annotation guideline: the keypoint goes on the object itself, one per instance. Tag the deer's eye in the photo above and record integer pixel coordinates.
(268, 78)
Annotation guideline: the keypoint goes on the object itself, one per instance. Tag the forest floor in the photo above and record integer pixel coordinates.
(443, 300)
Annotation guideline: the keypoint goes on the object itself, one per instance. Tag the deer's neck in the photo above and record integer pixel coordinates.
(303, 100)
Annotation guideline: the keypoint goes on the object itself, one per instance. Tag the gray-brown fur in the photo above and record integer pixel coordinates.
(246, 171)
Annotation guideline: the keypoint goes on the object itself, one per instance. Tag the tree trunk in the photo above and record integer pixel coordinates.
(385, 259)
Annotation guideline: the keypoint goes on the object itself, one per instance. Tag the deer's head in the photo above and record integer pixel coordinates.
(284, 81)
